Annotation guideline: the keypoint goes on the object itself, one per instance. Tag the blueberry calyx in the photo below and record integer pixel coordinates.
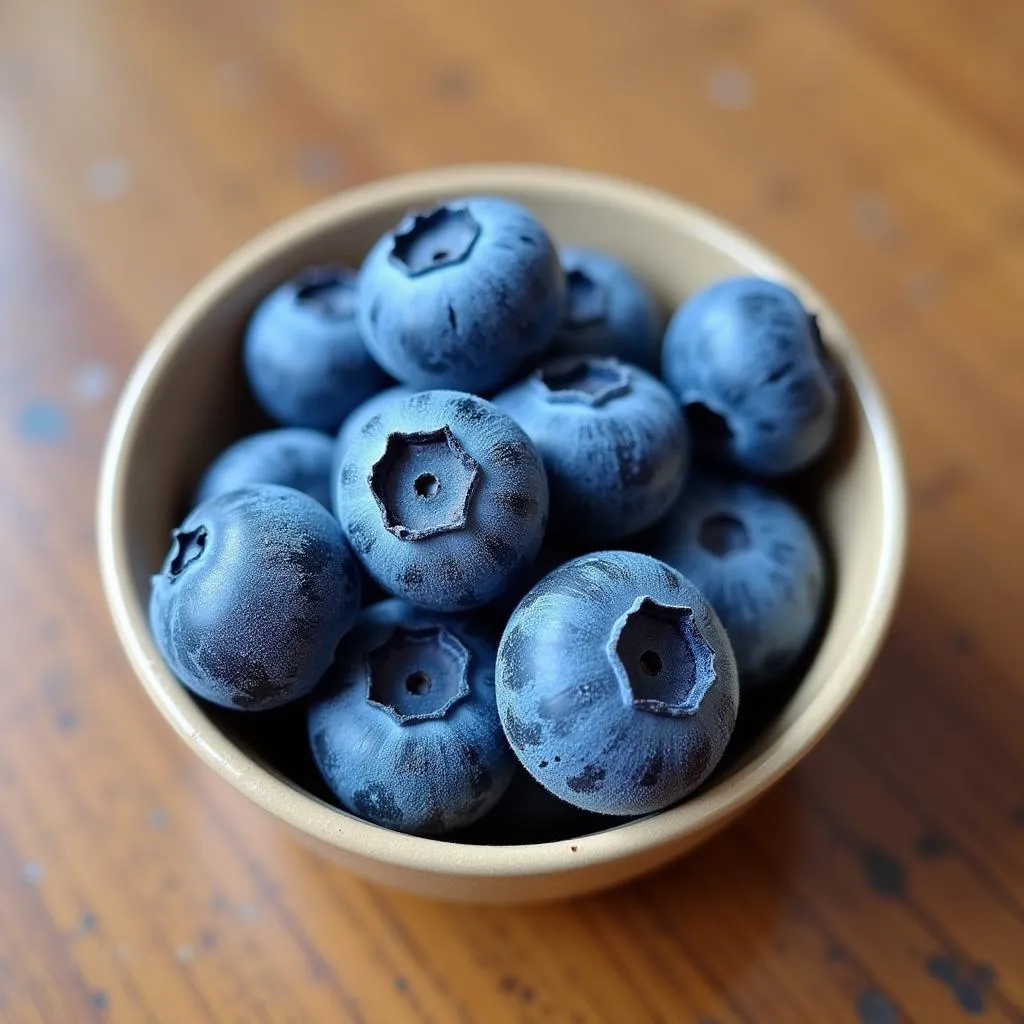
(186, 547)
(435, 238)
(423, 483)
(722, 534)
(418, 675)
(583, 380)
(586, 301)
(660, 657)
(330, 291)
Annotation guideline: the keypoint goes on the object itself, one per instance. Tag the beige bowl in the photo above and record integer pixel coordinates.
(186, 398)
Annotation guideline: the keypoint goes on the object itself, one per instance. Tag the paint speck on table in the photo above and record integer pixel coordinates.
(871, 216)
(932, 845)
(401, 984)
(33, 872)
(923, 286)
(66, 719)
(874, 1007)
(87, 923)
(157, 818)
(92, 383)
(208, 939)
(247, 911)
(319, 164)
(99, 1000)
(730, 88)
(884, 873)
(185, 953)
(967, 982)
(44, 422)
(455, 82)
(107, 180)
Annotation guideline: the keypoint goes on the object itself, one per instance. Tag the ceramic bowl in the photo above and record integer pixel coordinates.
(186, 399)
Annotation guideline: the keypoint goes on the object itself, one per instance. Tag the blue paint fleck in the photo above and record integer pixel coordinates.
(874, 1007)
(99, 1000)
(66, 720)
(208, 939)
(33, 872)
(92, 383)
(88, 923)
(158, 818)
(967, 982)
(884, 873)
(401, 984)
(44, 421)
(247, 911)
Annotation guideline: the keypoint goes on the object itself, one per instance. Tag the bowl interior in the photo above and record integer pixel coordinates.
(187, 399)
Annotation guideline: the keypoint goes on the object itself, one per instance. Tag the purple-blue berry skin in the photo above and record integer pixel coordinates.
(304, 355)
(616, 684)
(257, 589)
(756, 559)
(609, 311)
(405, 729)
(463, 296)
(614, 443)
(290, 457)
(746, 361)
(444, 499)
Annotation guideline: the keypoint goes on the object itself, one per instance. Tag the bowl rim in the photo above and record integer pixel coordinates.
(321, 821)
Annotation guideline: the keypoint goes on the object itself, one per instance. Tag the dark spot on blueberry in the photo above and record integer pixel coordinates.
(527, 240)
(506, 454)
(375, 308)
(371, 426)
(469, 410)
(557, 759)
(312, 558)
(588, 781)
(671, 579)
(521, 734)
(542, 764)
(722, 534)
(349, 474)
(377, 803)
(515, 503)
(449, 571)
(453, 322)
(652, 770)
(779, 372)
(500, 550)
(412, 577)
(884, 873)
(480, 779)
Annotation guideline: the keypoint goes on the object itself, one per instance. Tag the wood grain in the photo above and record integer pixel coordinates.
(877, 146)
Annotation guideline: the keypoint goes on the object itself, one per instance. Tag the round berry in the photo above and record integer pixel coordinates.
(444, 499)
(609, 311)
(747, 363)
(464, 295)
(614, 444)
(616, 684)
(405, 729)
(256, 590)
(290, 457)
(304, 356)
(756, 559)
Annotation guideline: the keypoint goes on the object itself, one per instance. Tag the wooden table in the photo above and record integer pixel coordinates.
(878, 145)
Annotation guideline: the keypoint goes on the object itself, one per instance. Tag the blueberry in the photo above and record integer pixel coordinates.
(747, 362)
(614, 444)
(290, 457)
(464, 295)
(616, 684)
(256, 590)
(759, 563)
(444, 499)
(608, 311)
(304, 356)
(405, 729)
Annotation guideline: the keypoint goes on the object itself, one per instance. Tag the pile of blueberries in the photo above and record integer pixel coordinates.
(512, 550)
